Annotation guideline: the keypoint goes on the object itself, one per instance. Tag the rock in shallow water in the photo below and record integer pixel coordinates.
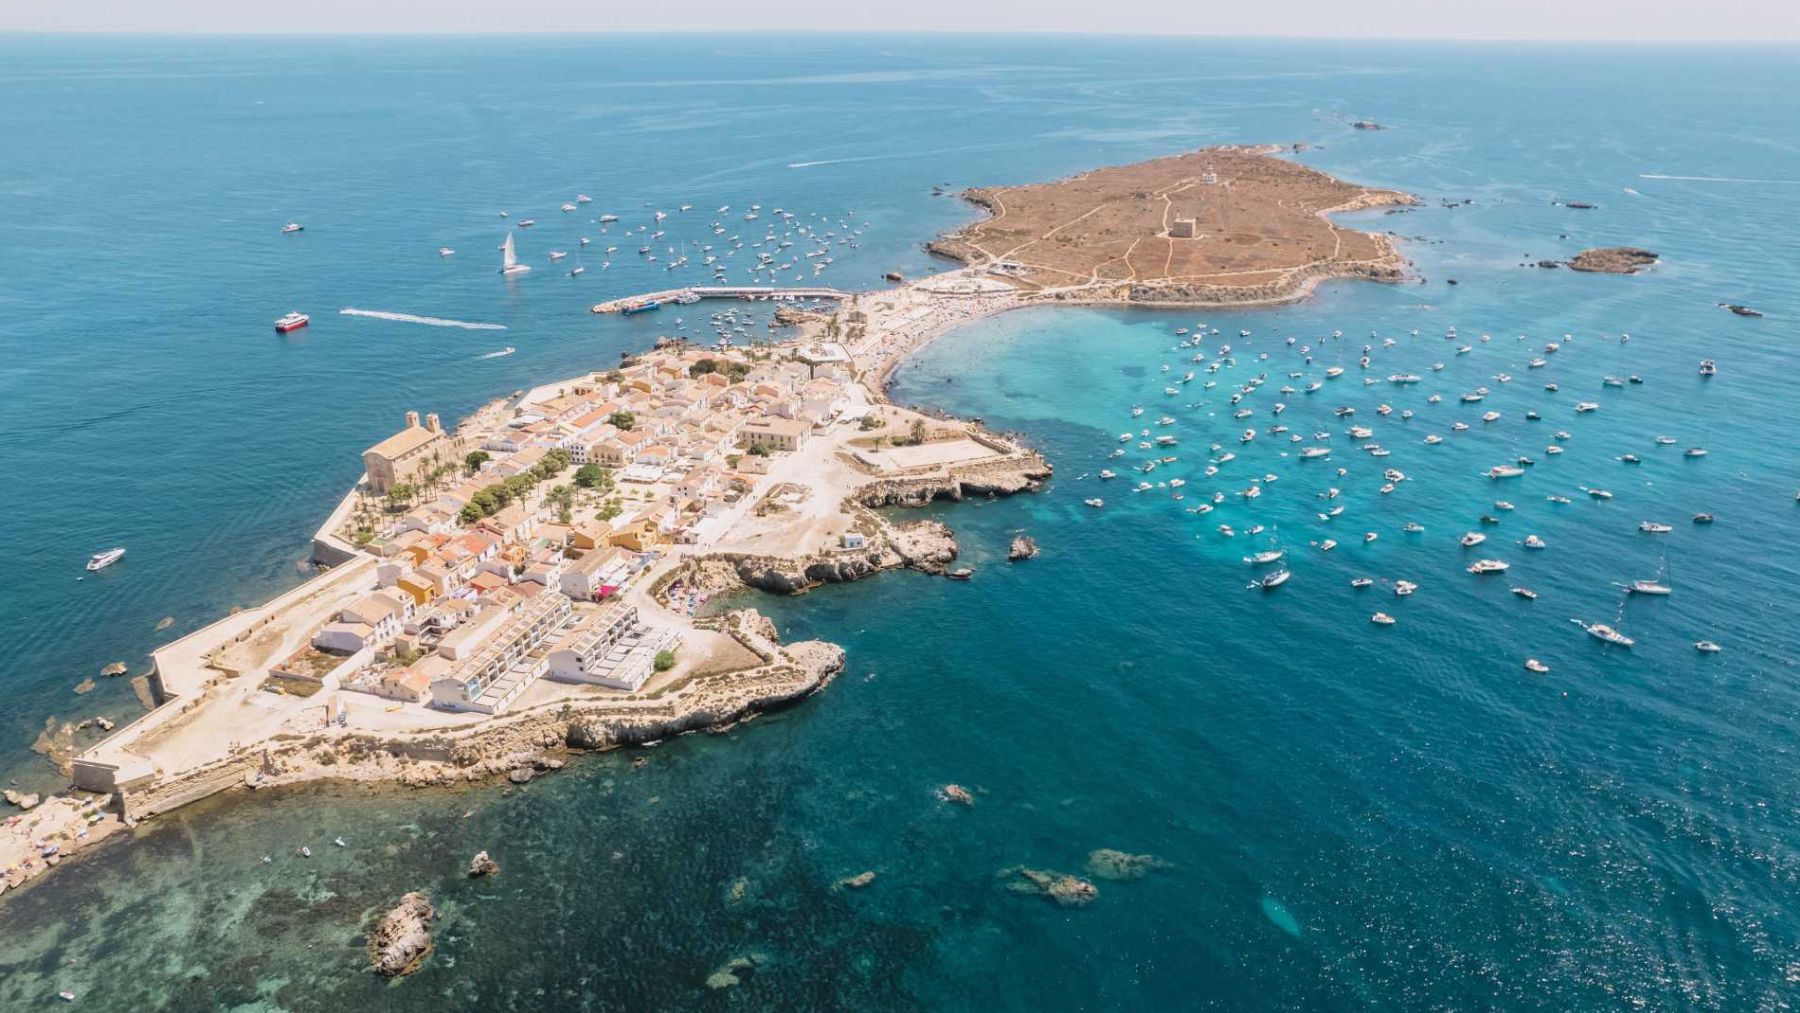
(1064, 889)
(401, 941)
(1107, 863)
(482, 865)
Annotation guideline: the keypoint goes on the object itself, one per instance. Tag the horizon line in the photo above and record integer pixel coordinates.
(889, 33)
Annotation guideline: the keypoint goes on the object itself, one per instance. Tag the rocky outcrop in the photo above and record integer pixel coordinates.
(401, 941)
(482, 865)
(1060, 887)
(1108, 863)
(858, 881)
(1023, 547)
(1613, 259)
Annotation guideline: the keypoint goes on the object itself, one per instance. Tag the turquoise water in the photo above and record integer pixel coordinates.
(1352, 816)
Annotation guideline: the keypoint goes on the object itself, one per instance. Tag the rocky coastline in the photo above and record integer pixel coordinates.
(1613, 260)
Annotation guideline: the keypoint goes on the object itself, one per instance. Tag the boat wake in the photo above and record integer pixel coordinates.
(1719, 179)
(496, 355)
(408, 318)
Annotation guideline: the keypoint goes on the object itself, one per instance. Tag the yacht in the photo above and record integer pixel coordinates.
(1271, 580)
(1096, 502)
(509, 259)
(102, 560)
(1605, 633)
(445, 251)
(1703, 518)
(1362, 582)
(1382, 619)
(1413, 527)
(1587, 406)
(1268, 556)
(1481, 566)
(1696, 452)
(292, 322)
(1708, 368)
(292, 227)
(1534, 665)
(1651, 587)
(1505, 471)
(1707, 647)
(1472, 539)
(1404, 588)
(1653, 528)
(1533, 542)
(1526, 593)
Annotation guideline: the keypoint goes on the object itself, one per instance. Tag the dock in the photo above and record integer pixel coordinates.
(694, 293)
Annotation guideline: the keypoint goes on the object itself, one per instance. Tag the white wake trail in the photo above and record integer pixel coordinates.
(409, 318)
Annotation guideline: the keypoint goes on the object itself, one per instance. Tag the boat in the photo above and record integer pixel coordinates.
(1665, 441)
(303, 851)
(526, 223)
(1313, 453)
(1653, 528)
(1327, 545)
(1413, 527)
(1268, 556)
(608, 219)
(1096, 502)
(1382, 619)
(292, 322)
(960, 573)
(1600, 494)
(1404, 588)
(509, 259)
(339, 841)
(1707, 647)
(66, 996)
(1708, 367)
(1108, 473)
(566, 208)
(1534, 665)
(1271, 580)
(556, 255)
(1650, 587)
(1586, 406)
(582, 198)
(292, 227)
(1361, 582)
(1630, 459)
(1505, 471)
(1526, 593)
(102, 560)
(1472, 539)
(1533, 542)
(643, 306)
(1696, 452)
(1604, 633)
(1703, 518)
(1481, 566)
(445, 251)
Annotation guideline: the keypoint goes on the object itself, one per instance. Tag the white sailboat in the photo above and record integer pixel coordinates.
(509, 260)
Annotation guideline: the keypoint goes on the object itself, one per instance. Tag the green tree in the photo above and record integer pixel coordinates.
(475, 460)
(703, 367)
(758, 450)
(918, 431)
(592, 476)
(623, 420)
(665, 660)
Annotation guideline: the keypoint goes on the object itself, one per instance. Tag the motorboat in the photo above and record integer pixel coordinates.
(1654, 528)
(292, 227)
(1696, 452)
(1533, 542)
(291, 322)
(1413, 527)
(1268, 556)
(1708, 367)
(1361, 582)
(1483, 566)
(1707, 647)
(1382, 619)
(1271, 580)
(445, 251)
(102, 560)
(1703, 518)
(1534, 665)
(1526, 593)
(1505, 471)
(1404, 588)
(1095, 502)
(1472, 539)
(1587, 406)
(1650, 587)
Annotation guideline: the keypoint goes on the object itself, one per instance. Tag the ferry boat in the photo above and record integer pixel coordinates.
(102, 560)
(645, 306)
(292, 322)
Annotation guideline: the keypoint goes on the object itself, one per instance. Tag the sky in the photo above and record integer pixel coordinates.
(1567, 20)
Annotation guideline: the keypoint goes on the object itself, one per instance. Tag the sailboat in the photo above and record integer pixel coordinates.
(576, 271)
(509, 260)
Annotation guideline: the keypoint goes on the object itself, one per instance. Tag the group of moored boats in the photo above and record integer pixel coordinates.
(1240, 400)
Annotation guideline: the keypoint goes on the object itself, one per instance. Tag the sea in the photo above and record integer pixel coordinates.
(1341, 815)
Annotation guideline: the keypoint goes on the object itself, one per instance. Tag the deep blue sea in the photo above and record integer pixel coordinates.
(1351, 816)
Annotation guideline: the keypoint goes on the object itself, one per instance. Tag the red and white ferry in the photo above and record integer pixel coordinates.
(292, 322)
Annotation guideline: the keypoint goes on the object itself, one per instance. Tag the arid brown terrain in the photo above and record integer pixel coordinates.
(1220, 225)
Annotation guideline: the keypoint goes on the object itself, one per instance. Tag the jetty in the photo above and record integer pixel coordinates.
(694, 293)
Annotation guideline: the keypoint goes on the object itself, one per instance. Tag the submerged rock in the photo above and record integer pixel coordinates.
(165, 622)
(958, 794)
(1023, 547)
(1106, 863)
(401, 941)
(116, 668)
(85, 686)
(482, 865)
(732, 973)
(1064, 889)
(858, 881)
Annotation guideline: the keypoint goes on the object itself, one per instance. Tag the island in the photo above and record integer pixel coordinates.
(1222, 226)
(1613, 260)
(547, 576)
